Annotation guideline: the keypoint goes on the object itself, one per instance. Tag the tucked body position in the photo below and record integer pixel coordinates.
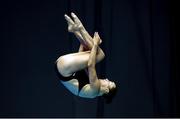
(77, 71)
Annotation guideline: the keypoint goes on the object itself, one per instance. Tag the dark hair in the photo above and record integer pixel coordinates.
(109, 96)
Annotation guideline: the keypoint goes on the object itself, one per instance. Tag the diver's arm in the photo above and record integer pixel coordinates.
(93, 79)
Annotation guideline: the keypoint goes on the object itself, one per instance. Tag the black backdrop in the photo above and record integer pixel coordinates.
(140, 58)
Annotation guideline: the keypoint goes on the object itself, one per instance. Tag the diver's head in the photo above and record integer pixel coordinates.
(106, 87)
(108, 90)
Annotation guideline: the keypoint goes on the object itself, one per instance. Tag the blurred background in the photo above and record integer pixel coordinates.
(139, 40)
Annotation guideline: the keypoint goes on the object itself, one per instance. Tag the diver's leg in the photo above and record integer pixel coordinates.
(87, 38)
(70, 63)
(80, 32)
(74, 28)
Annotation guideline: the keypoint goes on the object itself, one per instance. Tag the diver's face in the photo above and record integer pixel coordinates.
(106, 85)
(112, 85)
(109, 84)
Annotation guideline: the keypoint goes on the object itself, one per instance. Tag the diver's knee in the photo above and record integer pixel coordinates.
(63, 66)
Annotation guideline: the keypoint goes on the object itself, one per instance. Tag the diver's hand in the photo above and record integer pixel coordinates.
(97, 40)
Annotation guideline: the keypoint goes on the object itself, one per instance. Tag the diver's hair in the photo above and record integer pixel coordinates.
(109, 96)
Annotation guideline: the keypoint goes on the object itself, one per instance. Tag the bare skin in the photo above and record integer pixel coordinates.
(89, 54)
(78, 61)
(92, 90)
(80, 32)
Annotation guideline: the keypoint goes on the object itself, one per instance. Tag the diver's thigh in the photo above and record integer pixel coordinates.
(68, 64)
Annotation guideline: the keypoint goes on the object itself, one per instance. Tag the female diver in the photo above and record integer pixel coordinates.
(77, 70)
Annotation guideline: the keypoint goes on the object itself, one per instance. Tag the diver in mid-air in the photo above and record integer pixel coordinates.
(77, 70)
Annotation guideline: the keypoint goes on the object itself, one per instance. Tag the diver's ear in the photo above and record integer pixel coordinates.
(103, 90)
(106, 90)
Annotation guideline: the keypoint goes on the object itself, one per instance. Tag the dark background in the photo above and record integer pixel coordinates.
(139, 40)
